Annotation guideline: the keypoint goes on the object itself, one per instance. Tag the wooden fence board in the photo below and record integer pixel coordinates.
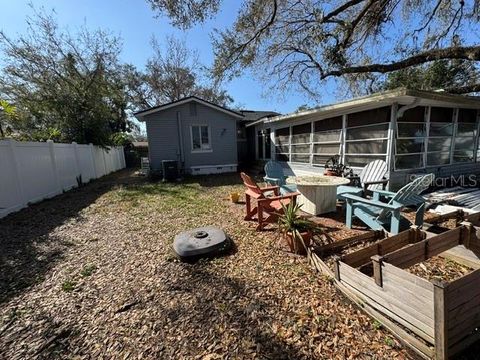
(365, 285)
(464, 329)
(473, 218)
(408, 255)
(418, 346)
(463, 281)
(463, 295)
(411, 285)
(464, 344)
(414, 253)
(371, 235)
(414, 279)
(362, 257)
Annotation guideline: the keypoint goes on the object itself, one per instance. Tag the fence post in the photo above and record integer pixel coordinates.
(440, 315)
(77, 160)
(122, 158)
(377, 261)
(104, 162)
(467, 229)
(336, 266)
(54, 166)
(16, 169)
(92, 153)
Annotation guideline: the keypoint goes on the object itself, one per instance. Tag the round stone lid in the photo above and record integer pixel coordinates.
(199, 241)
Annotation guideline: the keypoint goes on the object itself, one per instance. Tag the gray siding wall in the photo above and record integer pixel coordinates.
(163, 136)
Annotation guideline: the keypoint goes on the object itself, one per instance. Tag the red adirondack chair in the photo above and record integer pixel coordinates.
(268, 208)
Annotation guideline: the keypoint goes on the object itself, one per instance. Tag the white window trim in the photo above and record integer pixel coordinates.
(199, 151)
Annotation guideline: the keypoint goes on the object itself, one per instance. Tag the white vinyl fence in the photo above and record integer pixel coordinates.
(32, 171)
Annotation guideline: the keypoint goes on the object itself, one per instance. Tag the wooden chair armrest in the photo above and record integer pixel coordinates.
(350, 198)
(270, 188)
(280, 197)
(270, 180)
(384, 193)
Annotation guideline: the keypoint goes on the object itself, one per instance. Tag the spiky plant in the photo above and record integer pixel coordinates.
(291, 223)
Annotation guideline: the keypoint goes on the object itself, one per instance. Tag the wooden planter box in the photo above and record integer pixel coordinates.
(443, 314)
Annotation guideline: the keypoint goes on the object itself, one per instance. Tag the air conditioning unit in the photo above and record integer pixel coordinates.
(170, 170)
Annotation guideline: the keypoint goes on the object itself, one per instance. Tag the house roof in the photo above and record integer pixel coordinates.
(141, 114)
(400, 95)
(252, 115)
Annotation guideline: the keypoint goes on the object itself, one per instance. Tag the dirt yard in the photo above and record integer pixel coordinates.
(90, 275)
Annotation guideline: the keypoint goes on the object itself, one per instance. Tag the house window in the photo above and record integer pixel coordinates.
(326, 139)
(282, 144)
(366, 136)
(464, 150)
(410, 138)
(200, 138)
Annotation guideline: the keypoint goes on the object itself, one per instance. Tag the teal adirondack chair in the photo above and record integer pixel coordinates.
(371, 178)
(274, 176)
(379, 215)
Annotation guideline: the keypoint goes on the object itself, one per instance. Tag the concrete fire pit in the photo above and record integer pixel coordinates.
(318, 193)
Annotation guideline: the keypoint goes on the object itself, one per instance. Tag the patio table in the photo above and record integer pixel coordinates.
(318, 193)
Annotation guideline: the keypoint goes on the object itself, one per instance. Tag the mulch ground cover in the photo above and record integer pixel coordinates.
(90, 275)
(438, 268)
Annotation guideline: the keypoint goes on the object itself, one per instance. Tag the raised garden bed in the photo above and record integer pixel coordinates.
(436, 316)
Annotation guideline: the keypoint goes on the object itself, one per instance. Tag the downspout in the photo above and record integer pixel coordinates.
(180, 140)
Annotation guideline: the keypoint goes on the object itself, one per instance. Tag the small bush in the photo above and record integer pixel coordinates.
(88, 270)
(68, 285)
(389, 342)
(376, 325)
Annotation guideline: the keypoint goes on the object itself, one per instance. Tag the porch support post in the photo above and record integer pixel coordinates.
(391, 141)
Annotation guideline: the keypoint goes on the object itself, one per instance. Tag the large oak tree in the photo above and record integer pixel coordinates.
(307, 42)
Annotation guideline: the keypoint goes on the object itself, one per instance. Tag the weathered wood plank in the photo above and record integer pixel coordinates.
(394, 315)
(463, 344)
(473, 218)
(371, 235)
(403, 257)
(438, 218)
(413, 287)
(466, 321)
(361, 257)
(443, 242)
(411, 254)
(441, 320)
(418, 346)
(463, 256)
(474, 276)
(463, 295)
(421, 348)
(364, 284)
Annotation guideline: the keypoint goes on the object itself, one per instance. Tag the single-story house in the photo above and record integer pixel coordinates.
(203, 137)
(413, 131)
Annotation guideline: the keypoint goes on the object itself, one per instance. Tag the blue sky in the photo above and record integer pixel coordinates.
(135, 22)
